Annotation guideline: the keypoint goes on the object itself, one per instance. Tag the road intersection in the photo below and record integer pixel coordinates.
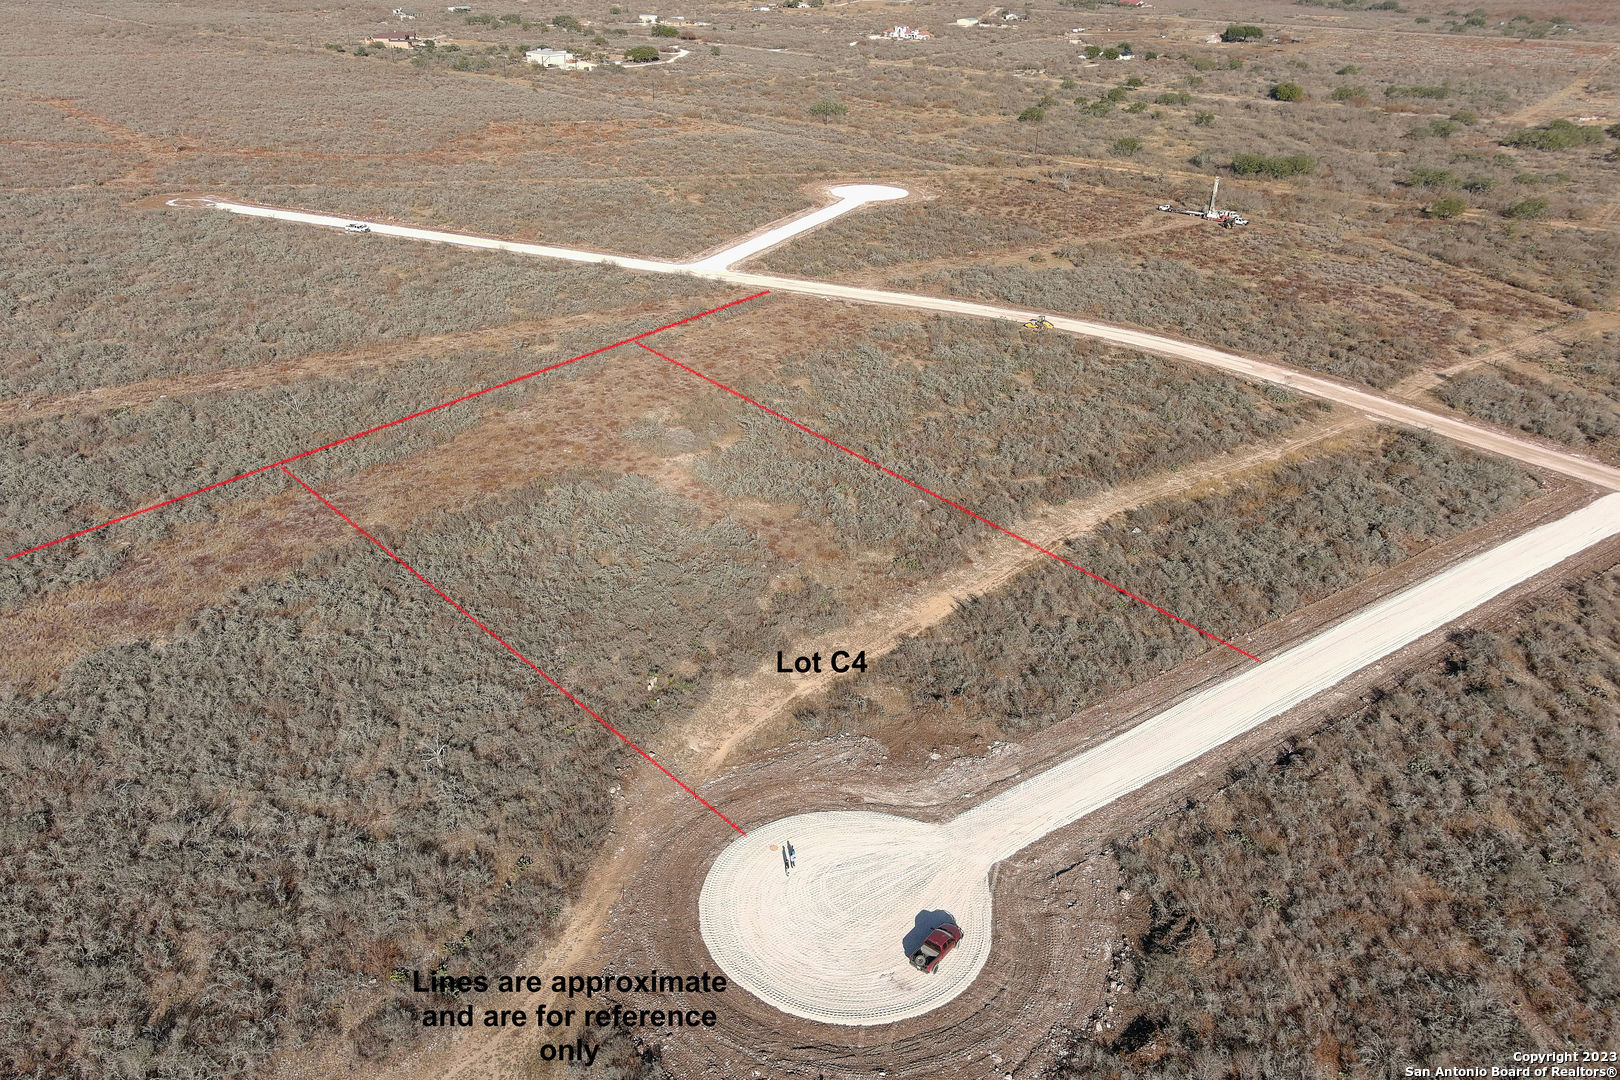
(717, 267)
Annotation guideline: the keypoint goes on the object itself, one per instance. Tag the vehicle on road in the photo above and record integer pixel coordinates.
(935, 946)
(355, 226)
(1039, 322)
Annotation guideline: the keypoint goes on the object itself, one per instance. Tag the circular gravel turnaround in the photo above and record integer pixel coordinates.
(865, 888)
(869, 192)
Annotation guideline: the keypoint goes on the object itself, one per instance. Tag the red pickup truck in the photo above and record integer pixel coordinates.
(935, 946)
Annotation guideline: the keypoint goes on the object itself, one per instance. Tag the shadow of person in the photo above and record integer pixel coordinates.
(927, 922)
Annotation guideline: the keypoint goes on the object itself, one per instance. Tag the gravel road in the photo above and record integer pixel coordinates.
(1377, 406)
(828, 942)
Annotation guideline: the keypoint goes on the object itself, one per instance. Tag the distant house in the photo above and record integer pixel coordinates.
(459, 9)
(556, 58)
(393, 41)
(648, 19)
(908, 33)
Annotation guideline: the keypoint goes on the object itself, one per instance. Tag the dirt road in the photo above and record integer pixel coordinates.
(744, 707)
(753, 937)
(850, 197)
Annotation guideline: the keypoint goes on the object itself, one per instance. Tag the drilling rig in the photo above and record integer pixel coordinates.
(1226, 218)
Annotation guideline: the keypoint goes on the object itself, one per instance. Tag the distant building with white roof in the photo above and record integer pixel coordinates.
(557, 58)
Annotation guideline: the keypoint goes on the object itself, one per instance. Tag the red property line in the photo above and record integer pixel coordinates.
(948, 502)
(474, 619)
(382, 427)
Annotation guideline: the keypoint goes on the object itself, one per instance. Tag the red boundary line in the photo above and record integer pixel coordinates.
(474, 619)
(382, 427)
(948, 502)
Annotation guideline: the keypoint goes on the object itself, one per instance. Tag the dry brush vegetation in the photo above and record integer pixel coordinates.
(1429, 882)
(219, 842)
(990, 416)
(1361, 313)
(1576, 402)
(336, 776)
(105, 294)
(333, 775)
(1053, 640)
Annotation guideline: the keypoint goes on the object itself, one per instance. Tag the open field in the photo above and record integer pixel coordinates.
(863, 536)
(506, 528)
(253, 769)
(1290, 378)
(1570, 396)
(1059, 900)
